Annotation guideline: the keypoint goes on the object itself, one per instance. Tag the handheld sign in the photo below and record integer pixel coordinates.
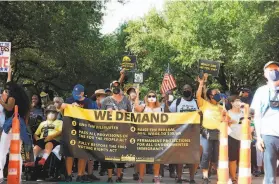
(210, 67)
(138, 78)
(5, 56)
(129, 62)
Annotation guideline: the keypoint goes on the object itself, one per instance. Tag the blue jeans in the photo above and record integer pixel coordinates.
(271, 154)
(210, 152)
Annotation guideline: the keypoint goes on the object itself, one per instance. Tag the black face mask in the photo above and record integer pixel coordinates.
(187, 93)
(116, 90)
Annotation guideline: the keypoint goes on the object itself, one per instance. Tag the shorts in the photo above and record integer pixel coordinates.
(41, 143)
(111, 165)
(234, 147)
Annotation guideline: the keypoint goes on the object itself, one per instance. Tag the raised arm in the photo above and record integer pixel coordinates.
(204, 86)
(122, 76)
(199, 92)
(138, 107)
(9, 74)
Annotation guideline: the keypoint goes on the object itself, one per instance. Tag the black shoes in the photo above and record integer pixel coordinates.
(69, 179)
(110, 180)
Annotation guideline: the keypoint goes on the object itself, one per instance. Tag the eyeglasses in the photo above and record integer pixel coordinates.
(151, 96)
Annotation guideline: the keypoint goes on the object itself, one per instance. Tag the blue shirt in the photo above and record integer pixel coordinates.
(266, 117)
(87, 103)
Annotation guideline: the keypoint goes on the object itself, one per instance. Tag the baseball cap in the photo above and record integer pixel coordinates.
(107, 90)
(245, 90)
(113, 82)
(78, 89)
(100, 92)
(269, 63)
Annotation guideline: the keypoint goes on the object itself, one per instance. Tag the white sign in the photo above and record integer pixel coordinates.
(138, 78)
(5, 56)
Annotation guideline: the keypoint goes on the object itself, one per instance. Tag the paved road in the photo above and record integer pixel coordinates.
(148, 179)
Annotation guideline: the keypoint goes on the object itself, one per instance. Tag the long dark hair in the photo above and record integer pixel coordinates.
(20, 96)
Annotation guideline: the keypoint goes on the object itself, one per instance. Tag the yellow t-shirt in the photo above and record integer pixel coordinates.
(47, 128)
(212, 115)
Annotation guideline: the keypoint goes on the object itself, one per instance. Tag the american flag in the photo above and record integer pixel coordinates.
(168, 83)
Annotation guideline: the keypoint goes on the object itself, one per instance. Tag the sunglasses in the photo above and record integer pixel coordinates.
(151, 96)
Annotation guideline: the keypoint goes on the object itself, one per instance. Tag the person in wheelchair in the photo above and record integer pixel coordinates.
(47, 135)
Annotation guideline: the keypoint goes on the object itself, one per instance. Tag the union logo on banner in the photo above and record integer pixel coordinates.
(5, 56)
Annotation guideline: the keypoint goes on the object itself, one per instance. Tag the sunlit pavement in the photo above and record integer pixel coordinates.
(128, 178)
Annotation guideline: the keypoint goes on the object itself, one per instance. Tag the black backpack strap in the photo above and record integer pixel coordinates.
(177, 103)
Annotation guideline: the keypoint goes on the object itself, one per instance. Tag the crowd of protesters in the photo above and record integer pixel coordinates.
(43, 118)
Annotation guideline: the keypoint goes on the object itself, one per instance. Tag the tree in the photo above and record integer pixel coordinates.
(59, 45)
(241, 35)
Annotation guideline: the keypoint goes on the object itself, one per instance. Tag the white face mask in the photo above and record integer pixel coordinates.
(171, 98)
(133, 95)
(236, 104)
(51, 116)
(151, 100)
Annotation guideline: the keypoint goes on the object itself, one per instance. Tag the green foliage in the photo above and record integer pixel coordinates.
(241, 35)
(59, 44)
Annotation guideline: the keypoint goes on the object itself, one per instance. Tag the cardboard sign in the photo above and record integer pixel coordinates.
(129, 62)
(138, 78)
(210, 67)
(5, 56)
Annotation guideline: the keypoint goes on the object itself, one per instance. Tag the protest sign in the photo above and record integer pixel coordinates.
(210, 67)
(128, 62)
(131, 137)
(5, 56)
(138, 78)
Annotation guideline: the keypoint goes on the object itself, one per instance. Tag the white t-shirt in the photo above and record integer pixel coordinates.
(184, 106)
(235, 127)
(158, 109)
(2, 116)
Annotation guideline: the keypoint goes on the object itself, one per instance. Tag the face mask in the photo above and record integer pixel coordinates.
(77, 97)
(133, 95)
(171, 98)
(116, 90)
(152, 100)
(273, 75)
(217, 97)
(237, 104)
(51, 116)
(187, 93)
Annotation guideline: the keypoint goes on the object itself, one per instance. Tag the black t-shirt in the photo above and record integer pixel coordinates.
(86, 103)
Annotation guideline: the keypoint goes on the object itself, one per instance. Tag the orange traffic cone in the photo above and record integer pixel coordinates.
(244, 176)
(223, 165)
(14, 161)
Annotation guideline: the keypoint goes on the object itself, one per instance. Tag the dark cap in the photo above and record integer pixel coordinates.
(269, 63)
(107, 90)
(245, 90)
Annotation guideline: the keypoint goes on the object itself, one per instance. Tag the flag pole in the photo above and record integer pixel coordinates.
(168, 67)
